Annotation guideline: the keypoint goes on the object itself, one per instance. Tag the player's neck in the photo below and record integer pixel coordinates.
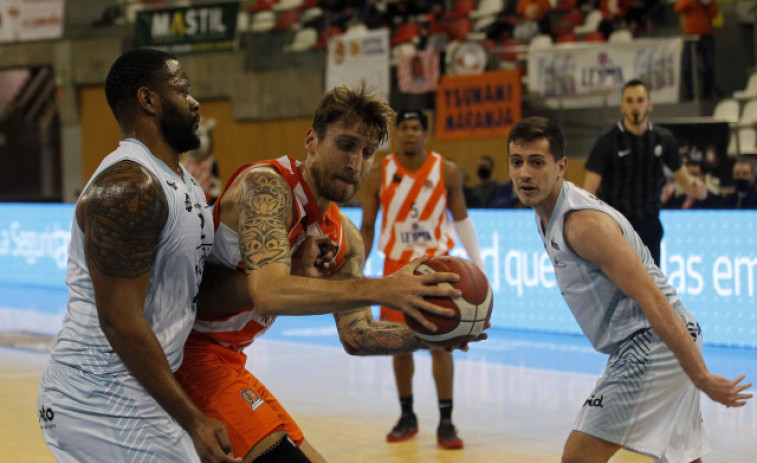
(322, 203)
(412, 161)
(158, 147)
(545, 208)
(636, 129)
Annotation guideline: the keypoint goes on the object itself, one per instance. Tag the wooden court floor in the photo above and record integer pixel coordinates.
(345, 405)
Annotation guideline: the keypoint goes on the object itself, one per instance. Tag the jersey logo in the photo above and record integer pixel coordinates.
(623, 153)
(658, 150)
(252, 398)
(396, 178)
(172, 184)
(553, 243)
(428, 184)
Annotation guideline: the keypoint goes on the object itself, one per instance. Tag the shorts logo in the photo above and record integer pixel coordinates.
(594, 401)
(46, 416)
(252, 398)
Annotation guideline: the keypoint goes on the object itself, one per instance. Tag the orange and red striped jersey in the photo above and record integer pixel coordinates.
(239, 330)
(414, 210)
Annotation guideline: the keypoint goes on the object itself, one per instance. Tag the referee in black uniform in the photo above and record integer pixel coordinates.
(624, 168)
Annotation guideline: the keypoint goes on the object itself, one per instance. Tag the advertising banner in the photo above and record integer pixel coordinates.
(192, 29)
(480, 105)
(23, 20)
(710, 257)
(354, 60)
(575, 70)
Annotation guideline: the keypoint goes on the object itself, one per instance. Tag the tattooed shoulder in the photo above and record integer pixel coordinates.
(265, 211)
(122, 214)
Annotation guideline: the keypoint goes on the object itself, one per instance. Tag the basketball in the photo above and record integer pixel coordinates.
(472, 309)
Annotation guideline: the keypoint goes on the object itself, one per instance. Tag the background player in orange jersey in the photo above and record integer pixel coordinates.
(268, 212)
(414, 188)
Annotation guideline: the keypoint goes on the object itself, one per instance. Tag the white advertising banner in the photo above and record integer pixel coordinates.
(360, 58)
(592, 74)
(27, 20)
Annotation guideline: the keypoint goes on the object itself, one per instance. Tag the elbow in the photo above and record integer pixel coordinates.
(352, 346)
(266, 302)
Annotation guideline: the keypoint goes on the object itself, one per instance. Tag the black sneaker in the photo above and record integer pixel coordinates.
(405, 428)
(446, 436)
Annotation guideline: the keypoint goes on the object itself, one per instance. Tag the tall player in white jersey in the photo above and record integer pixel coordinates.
(141, 233)
(648, 397)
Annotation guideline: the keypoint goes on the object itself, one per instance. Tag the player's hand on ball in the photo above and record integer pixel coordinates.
(315, 257)
(410, 290)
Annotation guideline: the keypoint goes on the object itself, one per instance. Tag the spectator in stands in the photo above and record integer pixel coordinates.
(613, 15)
(481, 193)
(697, 20)
(682, 200)
(535, 10)
(625, 167)
(490, 193)
(745, 196)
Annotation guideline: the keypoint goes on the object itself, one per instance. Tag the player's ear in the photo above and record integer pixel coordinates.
(147, 100)
(311, 140)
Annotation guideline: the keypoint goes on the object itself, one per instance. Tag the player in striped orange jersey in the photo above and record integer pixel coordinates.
(266, 211)
(415, 188)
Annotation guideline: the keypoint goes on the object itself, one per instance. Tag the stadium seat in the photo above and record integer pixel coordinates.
(408, 32)
(751, 89)
(460, 28)
(304, 39)
(487, 8)
(620, 36)
(285, 5)
(591, 22)
(263, 21)
(540, 42)
(262, 5)
(727, 109)
(287, 20)
(461, 9)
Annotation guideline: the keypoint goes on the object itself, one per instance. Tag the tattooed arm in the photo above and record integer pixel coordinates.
(359, 332)
(122, 214)
(264, 215)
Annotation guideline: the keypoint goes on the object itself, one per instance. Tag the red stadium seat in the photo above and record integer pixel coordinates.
(460, 28)
(594, 37)
(287, 20)
(461, 9)
(406, 32)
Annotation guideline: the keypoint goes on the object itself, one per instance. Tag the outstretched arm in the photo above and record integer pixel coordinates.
(122, 214)
(596, 237)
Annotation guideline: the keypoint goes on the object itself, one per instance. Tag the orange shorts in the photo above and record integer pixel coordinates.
(217, 381)
(387, 314)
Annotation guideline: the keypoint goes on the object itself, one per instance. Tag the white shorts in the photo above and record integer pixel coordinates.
(646, 402)
(86, 418)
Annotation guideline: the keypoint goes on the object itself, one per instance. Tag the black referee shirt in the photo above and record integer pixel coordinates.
(631, 169)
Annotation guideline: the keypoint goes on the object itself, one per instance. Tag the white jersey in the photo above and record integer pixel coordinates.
(606, 315)
(183, 245)
(91, 407)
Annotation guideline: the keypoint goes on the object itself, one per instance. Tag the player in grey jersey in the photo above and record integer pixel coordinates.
(648, 397)
(139, 241)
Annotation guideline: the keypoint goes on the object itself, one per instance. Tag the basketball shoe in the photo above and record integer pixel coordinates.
(446, 436)
(406, 427)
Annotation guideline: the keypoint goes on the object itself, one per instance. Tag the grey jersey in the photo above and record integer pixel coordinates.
(606, 315)
(183, 245)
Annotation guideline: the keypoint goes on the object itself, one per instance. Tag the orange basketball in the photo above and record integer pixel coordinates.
(472, 309)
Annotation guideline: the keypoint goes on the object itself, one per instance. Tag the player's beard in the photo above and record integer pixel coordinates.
(332, 188)
(178, 130)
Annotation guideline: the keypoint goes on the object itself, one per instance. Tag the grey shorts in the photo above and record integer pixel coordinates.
(87, 418)
(645, 401)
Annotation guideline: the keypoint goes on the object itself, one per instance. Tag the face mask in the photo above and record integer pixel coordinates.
(742, 185)
(484, 173)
